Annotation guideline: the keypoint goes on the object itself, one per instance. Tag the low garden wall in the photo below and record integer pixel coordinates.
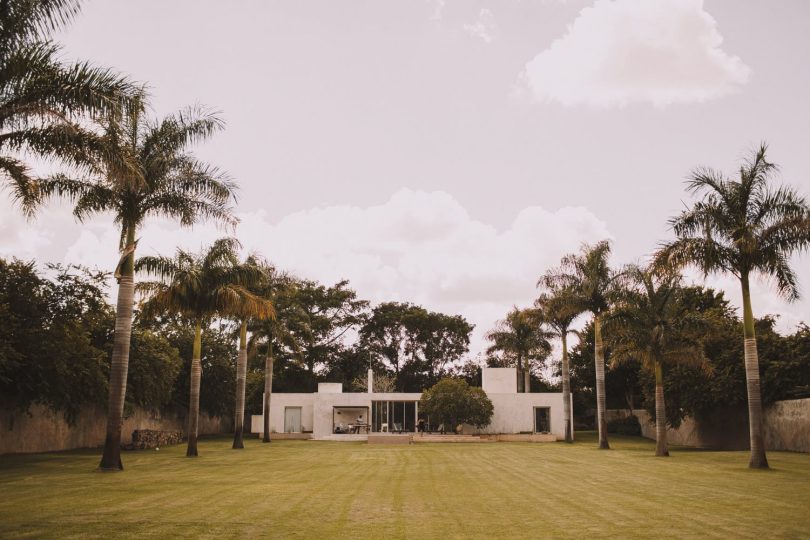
(42, 430)
(787, 427)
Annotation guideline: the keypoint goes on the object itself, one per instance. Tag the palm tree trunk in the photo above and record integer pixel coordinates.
(268, 389)
(194, 394)
(527, 377)
(755, 430)
(119, 367)
(660, 413)
(566, 388)
(520, 379)
(241, 375)
(599, 359)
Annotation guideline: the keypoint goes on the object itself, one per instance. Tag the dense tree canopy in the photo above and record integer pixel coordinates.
(453, 402)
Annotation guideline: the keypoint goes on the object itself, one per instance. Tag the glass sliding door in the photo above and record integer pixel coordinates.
(393, 416)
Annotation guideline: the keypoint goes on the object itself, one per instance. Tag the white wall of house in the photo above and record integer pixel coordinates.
(513, 412)
(278, 403)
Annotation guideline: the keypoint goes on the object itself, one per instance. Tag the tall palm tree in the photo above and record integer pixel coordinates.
(199, 287)
(144, 170)
(743, 227)
(651, 325)
(593, 284)
(557, 310)
(276, 331)
(44, 102)
(259, 308)
(521, 337)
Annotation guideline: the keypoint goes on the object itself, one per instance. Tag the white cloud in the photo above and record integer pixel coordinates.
(438, 7)
(417, 246)
(764, 299)
(483, 28)
(622, 51)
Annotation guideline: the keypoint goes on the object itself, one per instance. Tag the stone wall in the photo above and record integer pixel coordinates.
(787, 427)
(42, 430)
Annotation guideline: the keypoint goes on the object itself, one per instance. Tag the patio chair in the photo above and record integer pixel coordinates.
(398, 428)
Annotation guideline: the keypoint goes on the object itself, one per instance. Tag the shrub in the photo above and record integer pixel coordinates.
(628, 425)
(454, 402)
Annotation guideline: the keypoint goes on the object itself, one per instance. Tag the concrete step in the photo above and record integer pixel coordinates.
(449, 439)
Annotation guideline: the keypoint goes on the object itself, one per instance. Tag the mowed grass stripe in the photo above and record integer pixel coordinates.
(329, 489)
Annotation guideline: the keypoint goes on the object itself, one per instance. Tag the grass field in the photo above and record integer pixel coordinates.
(332, 489)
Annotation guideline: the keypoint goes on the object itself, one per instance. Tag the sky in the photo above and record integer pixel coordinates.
(448, 152)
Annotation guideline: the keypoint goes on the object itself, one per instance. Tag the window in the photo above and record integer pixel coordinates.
(397, 416)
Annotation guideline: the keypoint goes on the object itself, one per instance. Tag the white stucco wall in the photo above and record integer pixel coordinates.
(499, 380)
(513, 412)
(278, 402)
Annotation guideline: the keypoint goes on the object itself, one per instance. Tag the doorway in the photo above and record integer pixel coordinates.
(542, 420)
(292, 419)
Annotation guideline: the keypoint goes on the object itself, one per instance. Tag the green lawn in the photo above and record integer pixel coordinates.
(331, 489)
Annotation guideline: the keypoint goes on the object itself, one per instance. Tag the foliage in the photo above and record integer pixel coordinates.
(56, 338)
(454, 402)
(743, 226)
(521, 341)
(628, 425)
(416, 344)
(44, 102)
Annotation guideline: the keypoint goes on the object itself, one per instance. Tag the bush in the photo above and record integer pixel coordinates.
(628, 425)
(454, 402)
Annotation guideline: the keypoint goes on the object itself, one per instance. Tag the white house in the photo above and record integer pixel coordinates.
(329, 411)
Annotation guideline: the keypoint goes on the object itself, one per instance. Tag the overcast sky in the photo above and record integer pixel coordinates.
(447, 152)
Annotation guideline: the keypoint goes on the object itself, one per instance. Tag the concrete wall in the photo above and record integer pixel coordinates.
(499, 380)
(787, 427)
(42, 430)
(513, 413)
(278, 402)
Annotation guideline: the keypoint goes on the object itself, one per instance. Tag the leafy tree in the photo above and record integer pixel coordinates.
(557, 311)
(593, 284)
(438, 340)
(651, 326)
(522, 340)
(454, 402)
(53, 334)
(327, 315)
(386, 334)
(743, 227)
(154, 364)
(198, 287)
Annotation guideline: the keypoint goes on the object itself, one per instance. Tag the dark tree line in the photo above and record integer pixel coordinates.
(694, 390)
(56, 339)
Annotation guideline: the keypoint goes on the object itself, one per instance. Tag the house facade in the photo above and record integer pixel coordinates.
(330, 411)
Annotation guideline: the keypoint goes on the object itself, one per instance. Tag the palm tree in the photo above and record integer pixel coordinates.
(557, 311)
(592, 284)
(652, 326)
(259, 308)
(44, 102)
(743, 227)
(199, 287)
(279, 289)
(145, 171)
(521, 337)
